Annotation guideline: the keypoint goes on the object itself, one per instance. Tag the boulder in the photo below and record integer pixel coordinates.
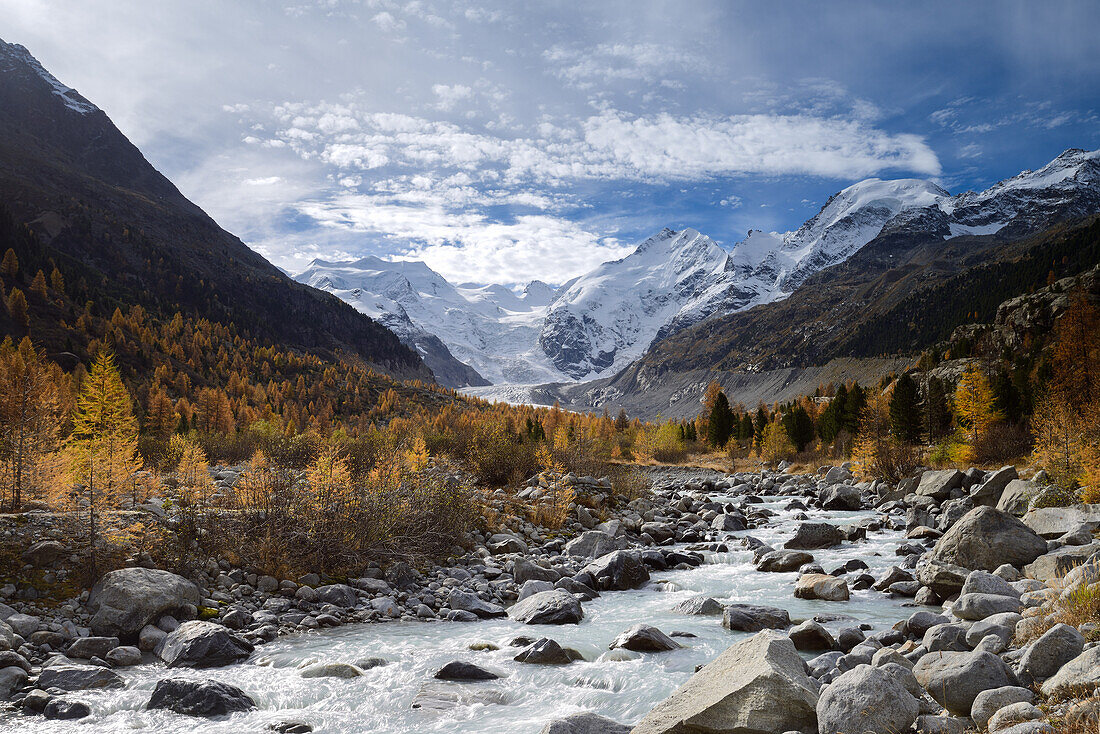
(1058, 563)
(91, 647)
(814, 535)
(1016, 496)
(124, 656)
(199, 698)
(644, 638)
(1078, 677)
(866, 699)
(754, 618)
(985, 538)
(988, 493)
(945, 579)
(1056, 647)
(470, 602)
(820, 586)
(594, 543)
(811, 637)
(783, 561)
(545, 651)
(585, 724)
(524, 571)
(618, 570)
(463, 671)
(79, 677)
(330, 670)
(982, 582)
(43, 553)
(338, 595)
(698, 605)
(1054, 522)
(841, 497)
(12, 678)
(58, 709)
(979, 606)
(124, 601)
(198, 644)
(990, 702)
(758, 686)
(548, 607)
(727, 523)
(23, 625)
(954, 679)
(938, 484)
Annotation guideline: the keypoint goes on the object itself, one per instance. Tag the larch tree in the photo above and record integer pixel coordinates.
(29, 415)
(103, 445)
(974, 407)
(17, 307)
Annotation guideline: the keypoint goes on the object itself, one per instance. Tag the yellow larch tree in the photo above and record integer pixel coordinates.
(30, 419)
(102, 449)
(974, 408)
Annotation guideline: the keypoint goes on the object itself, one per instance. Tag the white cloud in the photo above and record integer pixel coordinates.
(450, 95)
(387, 22)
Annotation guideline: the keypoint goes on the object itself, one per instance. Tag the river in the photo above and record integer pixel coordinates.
(527, 696)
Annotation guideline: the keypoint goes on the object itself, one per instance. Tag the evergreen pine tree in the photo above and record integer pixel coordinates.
(720, 425)
(905, 415)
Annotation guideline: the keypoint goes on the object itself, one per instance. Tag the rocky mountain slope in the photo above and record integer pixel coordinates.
(96, 203)
(599, 323)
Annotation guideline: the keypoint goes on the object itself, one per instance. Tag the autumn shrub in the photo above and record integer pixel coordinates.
(496, 456)
(1001, 443)
(660, 443)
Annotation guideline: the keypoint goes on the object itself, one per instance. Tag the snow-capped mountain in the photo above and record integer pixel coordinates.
(600, 322)
(468, 335)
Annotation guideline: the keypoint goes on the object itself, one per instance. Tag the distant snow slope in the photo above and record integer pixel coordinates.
(598, 323)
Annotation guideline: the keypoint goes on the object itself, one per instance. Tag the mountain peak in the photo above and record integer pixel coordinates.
(13, 56)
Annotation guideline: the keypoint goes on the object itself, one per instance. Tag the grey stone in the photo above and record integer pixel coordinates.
(783, 561)
(954, 679)
(980, 606)
(618, 570)
(79, 677)
(124, 656)
(126, 600)
(43, 553)
(754, 618)
(811, 636)
(594, 543)
(814, 535)
(58, 709)
(1016, 496)
(338, 595)
(644, 638)
(91, 647)
(698, 605)
(865, 699)
(988, 493)
(198, 644)
(758, 686)
(470, 602)
(460, 670)
(993, 700)
(545, 651)
(821, 586)
(585, 724)
(985, 538)
(938, 484)
(982, 582)
(330, 670)
(548, 607)
(199, 698)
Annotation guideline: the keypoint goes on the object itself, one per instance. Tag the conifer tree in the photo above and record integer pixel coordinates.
(29, 414)
(17, 307)
(937, 412)
(9, 267)
(799, 427)
(720, 423)
(103, 445)
(974, 403)
(905, 415)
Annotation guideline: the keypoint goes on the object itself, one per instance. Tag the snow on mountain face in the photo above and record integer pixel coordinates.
(488, 328)
(13, 54)
(596, 324)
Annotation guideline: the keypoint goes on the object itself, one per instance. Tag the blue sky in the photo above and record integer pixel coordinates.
(502, 143)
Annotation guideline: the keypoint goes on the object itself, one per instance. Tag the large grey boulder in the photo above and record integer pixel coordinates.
(594, 543)
(988, 493)
(1016, 496)
(330, 670)
(469, 602)
(1060, 562)
(91, 647)
(1056, 647)
(821, 586)
(12, 678)
(78, 677)
(938, 484)
(43, 553)
(199, 644)
(811, 636)
(841, 497)
(1078, 677)
(618, 570)
(585, 724)
(814, 535)
(1054, 522)
(126, 600)
(954, 679)
(698, 605)
(644, 638)
(985, 538)
(783, 561)
(548, 607)
(990, 702)
(866, 699)
(338, 595)
(945, 579)
(524, 571)
(976, 607)
(545, 651)
(758, 686)
(199, 698)
(754, 618)
(983, 582)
